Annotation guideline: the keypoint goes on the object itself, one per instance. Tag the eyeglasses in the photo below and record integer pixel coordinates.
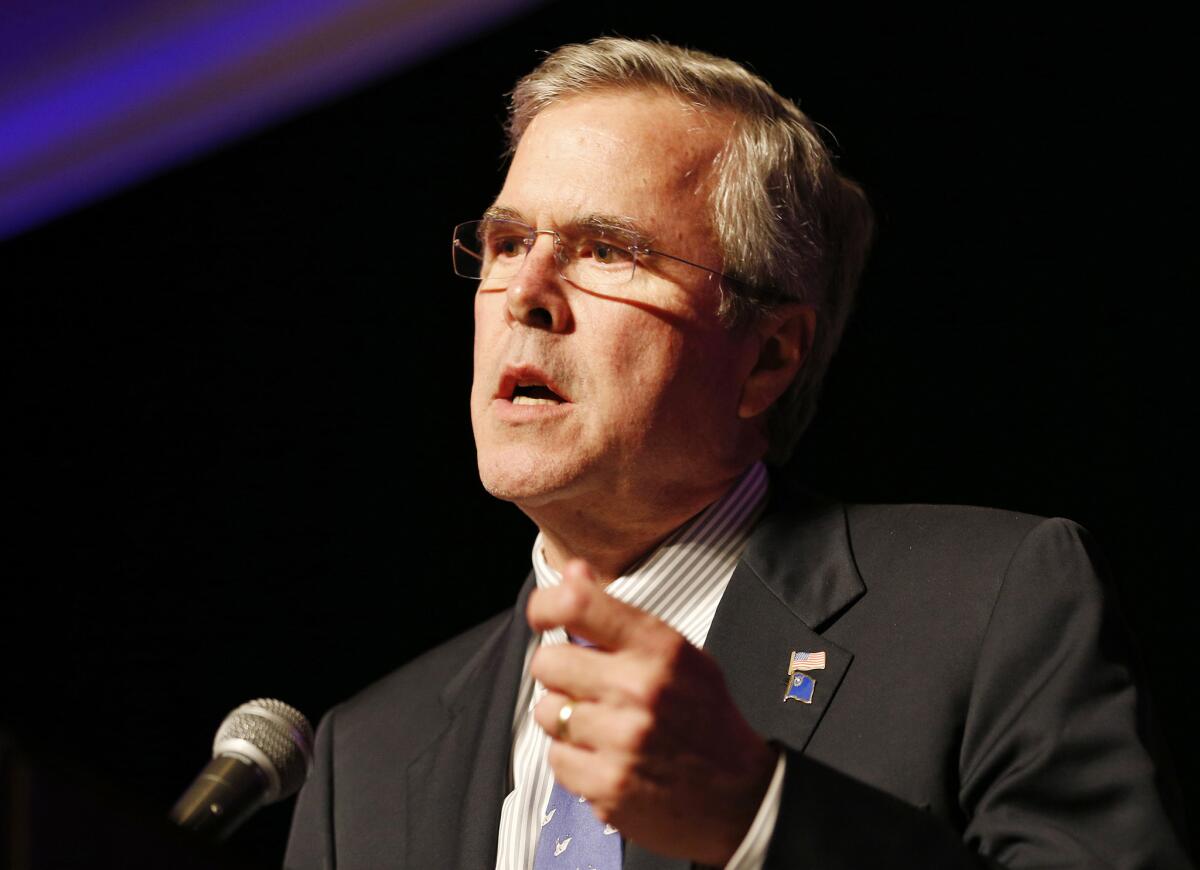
(494, 249)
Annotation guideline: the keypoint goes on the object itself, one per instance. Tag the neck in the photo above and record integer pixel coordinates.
(614, 533)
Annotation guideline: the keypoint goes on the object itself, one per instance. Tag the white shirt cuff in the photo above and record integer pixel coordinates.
(752, 853)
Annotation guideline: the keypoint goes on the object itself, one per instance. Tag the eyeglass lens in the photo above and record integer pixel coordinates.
(494, 250)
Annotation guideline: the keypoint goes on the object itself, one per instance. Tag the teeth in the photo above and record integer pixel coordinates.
(530, 400)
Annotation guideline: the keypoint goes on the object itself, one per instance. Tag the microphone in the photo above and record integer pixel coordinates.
(261, 754)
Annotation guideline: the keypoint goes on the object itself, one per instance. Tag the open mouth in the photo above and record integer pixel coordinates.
(529, 385)
(535, 394)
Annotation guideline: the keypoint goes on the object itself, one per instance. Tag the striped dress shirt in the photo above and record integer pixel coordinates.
(681, 582)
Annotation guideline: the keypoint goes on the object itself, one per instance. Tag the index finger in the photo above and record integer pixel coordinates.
(581, 607)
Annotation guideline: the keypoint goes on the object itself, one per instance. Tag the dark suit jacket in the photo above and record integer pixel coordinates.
(976, 702)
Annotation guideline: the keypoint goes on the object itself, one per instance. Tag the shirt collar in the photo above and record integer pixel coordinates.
(695, 559)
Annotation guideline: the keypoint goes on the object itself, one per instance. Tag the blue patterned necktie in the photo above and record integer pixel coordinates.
(571, 836)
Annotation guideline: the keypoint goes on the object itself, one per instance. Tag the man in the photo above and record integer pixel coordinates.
(662, 281)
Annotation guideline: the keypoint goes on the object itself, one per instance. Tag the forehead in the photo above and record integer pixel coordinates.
(643, 155)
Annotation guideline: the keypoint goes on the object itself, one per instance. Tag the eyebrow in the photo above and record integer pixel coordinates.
(627, 228)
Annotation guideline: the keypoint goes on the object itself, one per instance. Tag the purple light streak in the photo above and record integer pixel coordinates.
(137, 92)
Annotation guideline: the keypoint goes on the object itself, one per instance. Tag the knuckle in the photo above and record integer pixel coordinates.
(533, 605)
(543, 657)
(650, 689)
(641, 690)
(572, 602)
(616, 782)
(639, 731)
(657, 695)
(544, 709)
(674, 652)
(537, 663)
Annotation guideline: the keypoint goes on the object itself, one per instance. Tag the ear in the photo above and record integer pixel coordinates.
(785, 337)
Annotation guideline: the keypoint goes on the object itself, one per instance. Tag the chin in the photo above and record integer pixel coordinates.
(528, 478)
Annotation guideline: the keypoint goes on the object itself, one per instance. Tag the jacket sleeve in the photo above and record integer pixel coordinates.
(310, 843)
(1051, 769)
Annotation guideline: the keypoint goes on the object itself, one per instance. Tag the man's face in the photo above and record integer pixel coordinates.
(649, 378)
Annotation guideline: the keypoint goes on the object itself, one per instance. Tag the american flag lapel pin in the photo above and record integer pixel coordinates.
(800, 684)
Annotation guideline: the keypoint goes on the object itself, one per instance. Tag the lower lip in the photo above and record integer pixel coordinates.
(505, 410)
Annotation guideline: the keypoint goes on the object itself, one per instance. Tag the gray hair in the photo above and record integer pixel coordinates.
(790, 226)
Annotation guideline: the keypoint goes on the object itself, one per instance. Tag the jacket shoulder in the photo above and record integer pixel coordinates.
(953, 543)
(953, 557)
(951, 530)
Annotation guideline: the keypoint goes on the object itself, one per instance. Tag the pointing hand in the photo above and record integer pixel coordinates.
(654, 740)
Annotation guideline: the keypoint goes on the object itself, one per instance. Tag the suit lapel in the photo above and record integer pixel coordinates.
(456, 787)
(796, 576)
(753, 643)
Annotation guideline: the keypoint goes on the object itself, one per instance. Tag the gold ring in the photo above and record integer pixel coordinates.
(564, 717)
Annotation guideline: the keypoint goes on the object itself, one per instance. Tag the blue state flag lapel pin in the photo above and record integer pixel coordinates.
(800, 684)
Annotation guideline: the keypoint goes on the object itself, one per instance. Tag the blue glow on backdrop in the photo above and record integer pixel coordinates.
(115, 92)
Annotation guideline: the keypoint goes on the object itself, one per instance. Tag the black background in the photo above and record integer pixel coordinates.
(241, 458)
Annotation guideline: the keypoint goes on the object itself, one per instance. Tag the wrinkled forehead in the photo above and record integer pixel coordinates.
(646, 155)
(664, 110)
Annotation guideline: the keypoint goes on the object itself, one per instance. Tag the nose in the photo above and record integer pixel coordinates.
(535, 295)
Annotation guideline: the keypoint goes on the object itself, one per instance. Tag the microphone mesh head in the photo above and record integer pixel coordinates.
(281, 735)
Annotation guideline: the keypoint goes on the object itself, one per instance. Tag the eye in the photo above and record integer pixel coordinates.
(608, 254)
(506, 246)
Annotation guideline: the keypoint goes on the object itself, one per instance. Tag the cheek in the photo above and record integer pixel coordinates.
(643, 373)
(483, 320)
(489, 323)
(689, 383)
